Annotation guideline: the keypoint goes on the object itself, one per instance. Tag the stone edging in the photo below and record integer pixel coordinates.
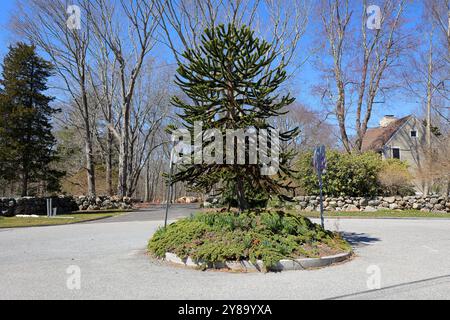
(247, 266)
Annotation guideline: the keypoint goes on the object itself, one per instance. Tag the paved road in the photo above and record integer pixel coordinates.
(155, 213)
(413, 257)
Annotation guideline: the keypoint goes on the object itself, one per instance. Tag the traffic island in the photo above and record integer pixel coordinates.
(249, 242)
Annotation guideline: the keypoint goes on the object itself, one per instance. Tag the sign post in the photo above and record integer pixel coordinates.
(169, 187)
(320, 165)
(50, 212)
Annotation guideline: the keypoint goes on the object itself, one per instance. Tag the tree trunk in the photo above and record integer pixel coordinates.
(174, 193)
(90, 168)
(109, 186)
(123, 154)
(131, 181)
(25, 183)
(147, 183)
(242, 201)
(154, 186)
(340, 113)
(109, 156)
(447, 191)
(429, 105)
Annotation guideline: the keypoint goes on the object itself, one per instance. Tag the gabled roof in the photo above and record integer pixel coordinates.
(376, 138)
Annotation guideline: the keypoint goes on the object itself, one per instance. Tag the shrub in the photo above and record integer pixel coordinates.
(395, 179)
(354, 175)
(267, 236)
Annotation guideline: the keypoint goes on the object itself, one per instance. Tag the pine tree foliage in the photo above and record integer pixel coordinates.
(27, 145)
(231, 84)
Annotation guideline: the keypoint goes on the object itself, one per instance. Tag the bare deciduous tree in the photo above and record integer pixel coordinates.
(44, 23)
(281, 22)
(128, 30)
(360, 61)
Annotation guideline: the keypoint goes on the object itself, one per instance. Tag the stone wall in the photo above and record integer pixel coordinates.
(435, 204)
(10, 207)
(103, 203)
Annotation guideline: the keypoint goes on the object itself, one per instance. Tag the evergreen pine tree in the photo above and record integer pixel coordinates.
(232, 83)
(27, 145)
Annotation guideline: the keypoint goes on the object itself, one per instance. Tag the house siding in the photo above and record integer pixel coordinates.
(412, 149)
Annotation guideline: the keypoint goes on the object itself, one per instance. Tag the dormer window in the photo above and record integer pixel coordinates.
(413, 134)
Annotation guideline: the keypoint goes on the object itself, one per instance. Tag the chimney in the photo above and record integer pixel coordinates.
(387, 120)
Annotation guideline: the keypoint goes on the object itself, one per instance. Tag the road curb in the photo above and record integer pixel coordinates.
(247, 266)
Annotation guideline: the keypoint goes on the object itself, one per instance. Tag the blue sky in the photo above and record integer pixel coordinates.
(6, 7)
(307, 76)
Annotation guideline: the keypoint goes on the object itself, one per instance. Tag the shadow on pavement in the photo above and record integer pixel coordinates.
(359, 239)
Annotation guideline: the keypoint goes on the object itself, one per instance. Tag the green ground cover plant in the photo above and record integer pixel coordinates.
(270, 236)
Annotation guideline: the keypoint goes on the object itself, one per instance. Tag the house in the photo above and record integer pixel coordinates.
(403, 139)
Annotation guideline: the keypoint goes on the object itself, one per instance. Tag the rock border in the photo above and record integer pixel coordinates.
(247, 266)
(432, 204)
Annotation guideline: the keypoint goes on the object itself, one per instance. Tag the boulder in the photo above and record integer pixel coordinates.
(303, 205)
(393, 206)
(352, 208)
(434, 201)
(7, 207)
(374, 203)
(390, 200)
(370, 209)
(417, 206)
(333, 204)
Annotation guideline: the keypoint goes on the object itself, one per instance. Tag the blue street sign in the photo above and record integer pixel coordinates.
(320, 159)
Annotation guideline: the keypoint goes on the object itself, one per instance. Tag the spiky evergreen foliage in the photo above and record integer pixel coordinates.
(26, 139)
(232, 84)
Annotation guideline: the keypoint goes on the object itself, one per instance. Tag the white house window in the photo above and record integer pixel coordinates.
(396, 153)
(413, 134)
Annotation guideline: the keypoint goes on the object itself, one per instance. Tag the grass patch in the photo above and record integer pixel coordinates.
(379, 214)
(15, 222)
(113, 211)
(214, 237)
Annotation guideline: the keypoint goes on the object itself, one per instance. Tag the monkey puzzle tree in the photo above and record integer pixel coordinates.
(231, 84)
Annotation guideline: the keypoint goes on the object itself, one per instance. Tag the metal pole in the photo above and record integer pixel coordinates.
(321, 200)
(169, 190)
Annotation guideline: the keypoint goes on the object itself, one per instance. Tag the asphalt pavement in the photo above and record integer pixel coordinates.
(395, 259)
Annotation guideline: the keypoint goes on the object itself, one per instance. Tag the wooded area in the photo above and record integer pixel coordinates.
(111, 84)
